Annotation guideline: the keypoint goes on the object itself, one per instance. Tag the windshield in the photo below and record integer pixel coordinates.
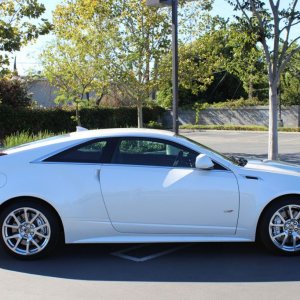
(239, 161)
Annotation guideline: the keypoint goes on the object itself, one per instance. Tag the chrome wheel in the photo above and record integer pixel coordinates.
(26, 231)
(284, 228)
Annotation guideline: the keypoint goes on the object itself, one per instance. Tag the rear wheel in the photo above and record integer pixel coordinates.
(280, 227)
(29, 229)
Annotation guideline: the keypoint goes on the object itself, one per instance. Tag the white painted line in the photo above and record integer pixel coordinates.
(122, 253)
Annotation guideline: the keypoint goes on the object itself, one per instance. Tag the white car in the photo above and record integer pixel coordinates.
(142, 186)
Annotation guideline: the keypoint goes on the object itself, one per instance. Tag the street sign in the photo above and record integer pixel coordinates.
(159, 3)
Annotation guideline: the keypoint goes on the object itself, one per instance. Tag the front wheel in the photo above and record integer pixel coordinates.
(280, 227)
(29, 230)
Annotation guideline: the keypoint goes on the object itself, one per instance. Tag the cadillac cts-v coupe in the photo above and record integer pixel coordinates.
(140, 186)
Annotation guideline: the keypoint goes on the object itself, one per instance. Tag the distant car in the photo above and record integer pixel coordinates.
(142, 186)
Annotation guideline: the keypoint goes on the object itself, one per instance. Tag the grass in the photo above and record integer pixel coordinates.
(236, 127)
(24, 137)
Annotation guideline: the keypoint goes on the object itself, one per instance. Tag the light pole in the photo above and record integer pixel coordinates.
(174, 5)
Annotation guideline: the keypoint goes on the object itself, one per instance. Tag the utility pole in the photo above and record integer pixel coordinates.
(174, 5)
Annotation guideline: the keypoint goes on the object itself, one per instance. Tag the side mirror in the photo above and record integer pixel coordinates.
(203, 162)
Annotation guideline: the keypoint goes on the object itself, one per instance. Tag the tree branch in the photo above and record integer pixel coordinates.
(287, 37)
(287, 59)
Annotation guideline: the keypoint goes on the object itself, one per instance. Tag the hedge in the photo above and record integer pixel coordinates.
(59, 120)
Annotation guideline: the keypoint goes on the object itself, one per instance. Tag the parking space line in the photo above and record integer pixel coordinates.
(122, 253)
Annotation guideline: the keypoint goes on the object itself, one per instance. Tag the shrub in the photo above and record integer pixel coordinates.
(154, 125)
(58, 120)
(236, 127)
(231, 104)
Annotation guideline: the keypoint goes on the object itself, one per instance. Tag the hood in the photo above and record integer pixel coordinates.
(274, 166)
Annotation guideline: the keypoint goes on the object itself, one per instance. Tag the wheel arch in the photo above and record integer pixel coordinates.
(39, 201)
(287, 196)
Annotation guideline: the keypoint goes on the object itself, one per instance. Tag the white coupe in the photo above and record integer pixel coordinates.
(142, 186)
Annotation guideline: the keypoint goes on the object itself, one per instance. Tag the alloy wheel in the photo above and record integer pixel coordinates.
(26, 231)
(284, 228)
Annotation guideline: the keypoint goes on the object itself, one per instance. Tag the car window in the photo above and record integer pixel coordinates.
(153, 152)
(91, 152)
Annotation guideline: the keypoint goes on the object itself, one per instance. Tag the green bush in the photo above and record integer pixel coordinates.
(59, 120)
(154, 125)
(236, 127)
(231, 104)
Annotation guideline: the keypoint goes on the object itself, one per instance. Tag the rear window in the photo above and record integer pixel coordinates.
(97, 151)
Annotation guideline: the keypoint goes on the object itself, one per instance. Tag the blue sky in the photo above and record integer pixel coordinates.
(28, 57)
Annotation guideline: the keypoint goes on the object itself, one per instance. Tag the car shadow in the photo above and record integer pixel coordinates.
(203, 262)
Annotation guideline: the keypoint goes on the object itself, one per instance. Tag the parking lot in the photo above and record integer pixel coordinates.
(164, 271)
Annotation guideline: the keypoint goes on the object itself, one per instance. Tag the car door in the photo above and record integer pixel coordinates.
(152, 187)
(72, 179)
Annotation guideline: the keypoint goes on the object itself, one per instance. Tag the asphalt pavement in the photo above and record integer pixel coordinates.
(247, 143)
(164, 271)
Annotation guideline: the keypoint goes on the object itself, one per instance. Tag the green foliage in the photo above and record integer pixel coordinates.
(229, 104)
(164, 96)
(59, 120)
(13, 92)
(136, 146)
(15, 27)
(24, 137)
(232, 104)
(154, 125)
(236, 127)
(222, 62)
(110, 45)
(290, 83)
(244, 58)
(199, 59)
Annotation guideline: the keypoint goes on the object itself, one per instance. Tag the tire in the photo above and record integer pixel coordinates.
(279, 229)
(29, 230)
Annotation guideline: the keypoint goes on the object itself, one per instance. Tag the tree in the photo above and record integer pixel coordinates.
(199, 59)
(76, 62)
(13, 92)
(273, 26)
(72, 72)
(15, 27)
(144, 37)
(244, 58)
(222, 51)
(124, 39)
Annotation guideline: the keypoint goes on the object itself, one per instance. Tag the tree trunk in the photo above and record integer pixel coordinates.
(77, 114)
(154, 89)
(140, 114)
(98, 100)
(273, 118)
(250, 92)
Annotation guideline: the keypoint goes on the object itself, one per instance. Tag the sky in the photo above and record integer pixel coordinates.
(28, 57)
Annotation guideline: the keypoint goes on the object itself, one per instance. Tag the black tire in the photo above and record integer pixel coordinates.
(33, 236)
(279, 238)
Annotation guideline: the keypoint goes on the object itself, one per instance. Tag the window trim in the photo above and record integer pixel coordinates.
(115, 142)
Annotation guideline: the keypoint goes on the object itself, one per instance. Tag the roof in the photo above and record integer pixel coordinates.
(120, 131)
(90, 134)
